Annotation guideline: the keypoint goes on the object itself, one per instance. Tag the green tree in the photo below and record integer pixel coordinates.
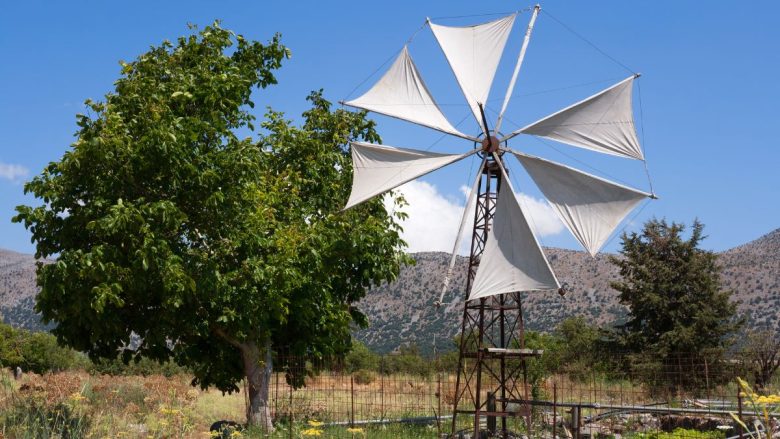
(218, 251)
(360, 357)
(677, 313)
(760, 354)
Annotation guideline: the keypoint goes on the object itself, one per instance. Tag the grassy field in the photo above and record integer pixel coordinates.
(79, 405)
(76, 405)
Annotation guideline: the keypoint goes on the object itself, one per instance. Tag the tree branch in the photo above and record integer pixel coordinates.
(224, 335)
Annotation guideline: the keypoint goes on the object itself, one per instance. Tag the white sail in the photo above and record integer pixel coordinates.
(603, 122)
(473, 53)
(512, 260)
(401, 93)
(589, 206)
(377, 168)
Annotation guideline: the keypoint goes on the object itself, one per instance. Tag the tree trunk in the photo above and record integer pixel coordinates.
(258, 368)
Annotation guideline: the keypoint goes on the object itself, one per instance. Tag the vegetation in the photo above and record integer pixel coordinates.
(760, 354)
(677, 311)
(36, 352)
(217, 251)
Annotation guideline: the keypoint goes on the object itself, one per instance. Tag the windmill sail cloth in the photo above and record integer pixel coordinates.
(473, 53)
(379, 168)
(467, 209)
(603, 122)
(591, 207)
(401, 93)
(513, 260)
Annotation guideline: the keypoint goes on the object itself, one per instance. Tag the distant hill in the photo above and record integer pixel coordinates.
(18, 290)
(403, 312)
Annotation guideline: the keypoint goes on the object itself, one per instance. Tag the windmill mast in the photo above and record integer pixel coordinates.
(492, 331)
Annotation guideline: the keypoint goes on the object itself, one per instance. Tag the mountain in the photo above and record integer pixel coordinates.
(403, 312)
(18, 290)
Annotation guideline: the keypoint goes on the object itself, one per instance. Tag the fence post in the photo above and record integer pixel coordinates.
(739, 411)
(707, 377)
(292, 412)
(352, 399)
(438, 403)
(276, 396)
(555, 408)
(382, 395)
(576, 413)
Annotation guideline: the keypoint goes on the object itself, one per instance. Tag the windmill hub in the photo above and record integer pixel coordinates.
(490, 144)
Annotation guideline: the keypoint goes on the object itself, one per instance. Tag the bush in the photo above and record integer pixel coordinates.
(364, 376)
(36, 351)
(136, 366)
(361, 358)
(28, 418)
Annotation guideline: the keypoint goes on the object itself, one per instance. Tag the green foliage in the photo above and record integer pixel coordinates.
(360, 357)
(679, 433)
(208, 246)
(677, 312)
(760, 357)
(33, 419)
(137, 366)
(407, 360)
(364, 376)
(585, 350)
(36, 351)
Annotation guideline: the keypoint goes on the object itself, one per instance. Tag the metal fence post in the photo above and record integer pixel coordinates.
(555, 408)
(382, 395)
(352, 399)
(577, 415)
(438, 403)
(292, 413)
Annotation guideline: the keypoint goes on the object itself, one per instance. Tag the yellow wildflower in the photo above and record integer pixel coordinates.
(311, 432)
(354, 430)
(315, 423)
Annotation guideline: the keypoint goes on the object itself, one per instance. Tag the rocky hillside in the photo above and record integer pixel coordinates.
(403, 312)
(18, 290)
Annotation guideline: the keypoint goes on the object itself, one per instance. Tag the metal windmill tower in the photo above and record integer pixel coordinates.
(506, 258)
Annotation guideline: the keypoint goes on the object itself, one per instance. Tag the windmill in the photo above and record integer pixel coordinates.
(506, 258)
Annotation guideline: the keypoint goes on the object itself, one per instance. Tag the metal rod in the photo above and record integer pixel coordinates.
(352, 399)
(519, 63)
(627, 408)
(555, 409)
(417, 420)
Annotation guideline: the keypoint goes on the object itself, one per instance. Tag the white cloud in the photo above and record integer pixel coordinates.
(13, 172)
(434, 218)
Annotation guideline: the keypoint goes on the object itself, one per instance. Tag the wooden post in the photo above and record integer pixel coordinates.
(555, 408)
(352, 399)
(739, 412)
(491, 419)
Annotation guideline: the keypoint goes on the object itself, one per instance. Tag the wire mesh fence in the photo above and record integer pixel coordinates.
(687, 396)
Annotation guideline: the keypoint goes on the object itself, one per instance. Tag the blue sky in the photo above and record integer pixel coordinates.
(709, 92)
